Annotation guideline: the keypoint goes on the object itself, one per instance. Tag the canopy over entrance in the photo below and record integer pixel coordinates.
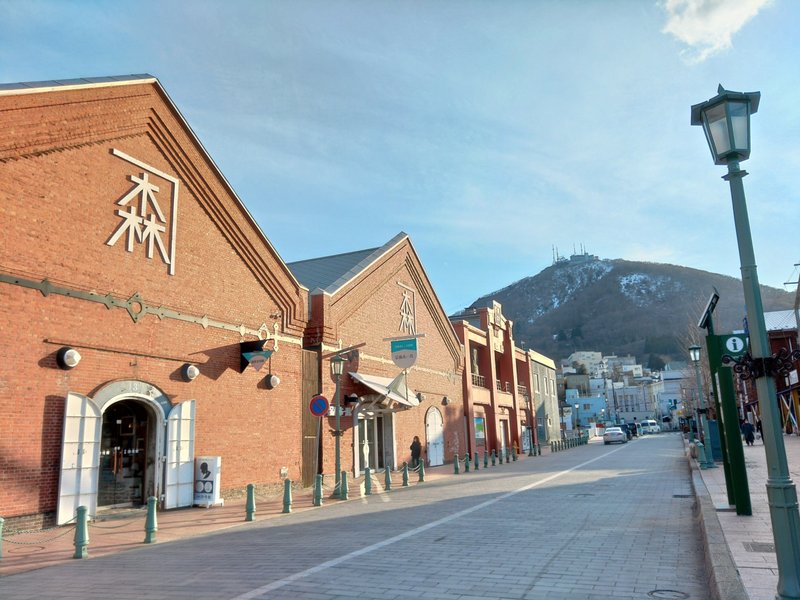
(390, 394)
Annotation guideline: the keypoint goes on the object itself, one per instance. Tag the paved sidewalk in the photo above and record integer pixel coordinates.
(748, 539)
(28, 551)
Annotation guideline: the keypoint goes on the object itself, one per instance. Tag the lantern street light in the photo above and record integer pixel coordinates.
(337, 368)
(726, 122)
(577, 415)
(706, 456)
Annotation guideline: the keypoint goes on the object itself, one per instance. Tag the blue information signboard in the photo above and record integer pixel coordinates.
(404, 352)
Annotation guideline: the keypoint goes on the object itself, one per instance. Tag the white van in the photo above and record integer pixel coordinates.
(650, 426)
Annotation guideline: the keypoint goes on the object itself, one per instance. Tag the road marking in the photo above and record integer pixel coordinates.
(337, 561)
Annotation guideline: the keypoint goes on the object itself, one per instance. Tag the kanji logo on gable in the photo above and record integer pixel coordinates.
(142, 220)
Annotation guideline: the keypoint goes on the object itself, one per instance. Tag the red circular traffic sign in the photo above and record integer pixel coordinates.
(318, 406)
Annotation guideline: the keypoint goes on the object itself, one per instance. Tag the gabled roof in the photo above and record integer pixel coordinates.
(42, 86)
(330, 273)
(779, 320)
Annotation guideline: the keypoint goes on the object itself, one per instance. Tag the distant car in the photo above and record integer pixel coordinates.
(614, 434)
(650, 426)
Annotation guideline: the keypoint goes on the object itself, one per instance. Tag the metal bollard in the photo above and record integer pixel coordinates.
(287, 496)
(405, 474)
(81, 533)
(477, 464)
(367, 482)
(466, 462)
(421, 471)
(508, 454)
(2, 521)
(456, 465)
(387, 479)
(250, 506)
(318, 490)
(494, 456)
(514, 454)
(343, 491)
(539, 449)
(151, 522)
(485, 460)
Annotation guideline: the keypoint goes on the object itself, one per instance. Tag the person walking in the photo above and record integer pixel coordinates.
(748, 431)
(416, 450)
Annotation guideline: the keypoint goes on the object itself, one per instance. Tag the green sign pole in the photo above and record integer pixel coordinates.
(735, 471)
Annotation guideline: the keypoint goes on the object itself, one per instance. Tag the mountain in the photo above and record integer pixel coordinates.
(621, 307)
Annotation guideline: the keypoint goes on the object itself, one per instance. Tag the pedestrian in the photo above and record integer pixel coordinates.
(758, 428)
(416, 449)
(748, 431)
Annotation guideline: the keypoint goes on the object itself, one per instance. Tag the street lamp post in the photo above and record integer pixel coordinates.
(726, 122)
(337, 368)
(530, 426)
(706, 456)
(577, 415)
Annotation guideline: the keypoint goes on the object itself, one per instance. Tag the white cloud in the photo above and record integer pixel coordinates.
(706, 26)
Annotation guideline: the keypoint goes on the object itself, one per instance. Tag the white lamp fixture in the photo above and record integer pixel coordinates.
(68, 358)
(272, 381)
(190, 372)
(694, 353)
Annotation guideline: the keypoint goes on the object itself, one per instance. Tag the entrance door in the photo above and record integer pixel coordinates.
(179, 476)
(371, 442)
(79, 457)
(123, 454)
(434, 435)
(503, 436)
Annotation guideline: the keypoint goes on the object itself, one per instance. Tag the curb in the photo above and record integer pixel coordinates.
(724, 582)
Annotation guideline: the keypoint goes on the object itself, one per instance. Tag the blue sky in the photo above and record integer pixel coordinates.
(489, 131)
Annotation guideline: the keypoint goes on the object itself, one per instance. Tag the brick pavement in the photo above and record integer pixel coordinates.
(757, 570)
(590, 522)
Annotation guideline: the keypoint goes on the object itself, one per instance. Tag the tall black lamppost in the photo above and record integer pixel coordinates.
(337, 368)
(726, 122)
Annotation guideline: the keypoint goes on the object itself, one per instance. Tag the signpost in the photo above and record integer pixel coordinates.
(318, 406)
(404, 352)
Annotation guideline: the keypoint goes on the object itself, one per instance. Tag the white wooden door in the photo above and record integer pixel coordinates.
(80, 457)
(179, 472)
(434, 434)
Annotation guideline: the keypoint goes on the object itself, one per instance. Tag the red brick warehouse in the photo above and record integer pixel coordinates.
(122, 244)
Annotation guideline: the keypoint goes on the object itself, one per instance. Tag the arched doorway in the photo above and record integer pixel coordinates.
(127, 455)
(434, 436)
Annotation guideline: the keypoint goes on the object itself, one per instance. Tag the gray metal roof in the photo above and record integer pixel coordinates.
(84, 81)
(779, 320)
(329, 273)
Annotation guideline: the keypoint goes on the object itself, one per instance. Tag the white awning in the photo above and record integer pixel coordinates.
(395, 390)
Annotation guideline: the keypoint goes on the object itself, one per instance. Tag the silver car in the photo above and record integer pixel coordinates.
(614, 434)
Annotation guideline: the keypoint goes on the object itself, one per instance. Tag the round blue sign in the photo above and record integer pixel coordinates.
(318, 406)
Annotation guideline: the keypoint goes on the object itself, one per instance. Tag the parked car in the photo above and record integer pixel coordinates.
(650, 426)
(614, 434)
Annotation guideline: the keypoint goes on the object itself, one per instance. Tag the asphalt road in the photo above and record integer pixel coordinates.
(591, 522)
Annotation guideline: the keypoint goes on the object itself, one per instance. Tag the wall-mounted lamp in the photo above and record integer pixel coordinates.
(420, 396)
(189, 372)
(272, 381)
(445, 401)
(68, 358)
(351, 398)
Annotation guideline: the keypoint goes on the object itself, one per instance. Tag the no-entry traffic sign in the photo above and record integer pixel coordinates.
(318, 406)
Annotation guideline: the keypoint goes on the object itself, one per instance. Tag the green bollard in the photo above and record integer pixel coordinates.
(367, 482)
(494, 456)
(485, 460)
(421, 471)
(456, 465)
(318, 490)
(151, 522)
(387, 479)
(514, 454)
(539, 449)
(2, 521)
(287, 496)
(81, 533)
(477, 464)
(343, 492)
(405, 474)
(466, 462)
(250, 506)
(508, 454)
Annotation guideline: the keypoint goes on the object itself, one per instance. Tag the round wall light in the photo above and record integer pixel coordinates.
(68, 358)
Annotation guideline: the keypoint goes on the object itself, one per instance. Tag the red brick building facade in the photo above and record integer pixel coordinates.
(361, 300)
(123, 243)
